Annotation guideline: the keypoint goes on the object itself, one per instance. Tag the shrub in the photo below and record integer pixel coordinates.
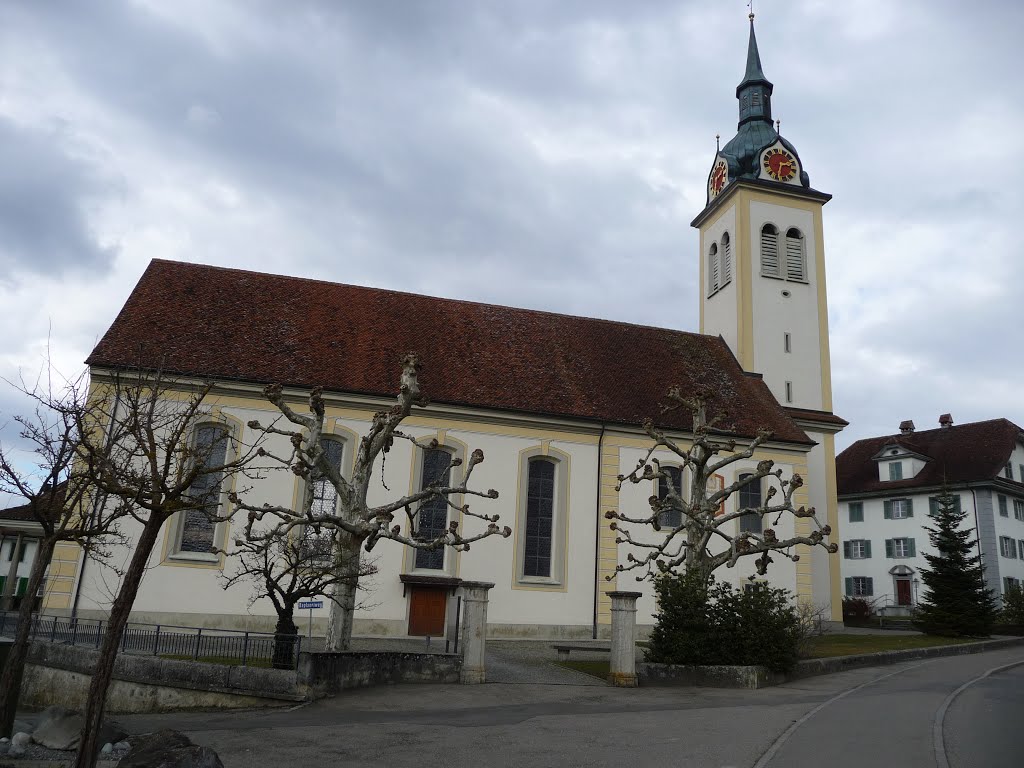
(1013, 606)
(857, 610)
(718, 624)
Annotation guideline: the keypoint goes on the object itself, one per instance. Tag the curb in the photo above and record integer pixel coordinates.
(833, 664)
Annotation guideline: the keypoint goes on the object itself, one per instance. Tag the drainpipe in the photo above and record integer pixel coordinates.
(977, 530)
(597, 532)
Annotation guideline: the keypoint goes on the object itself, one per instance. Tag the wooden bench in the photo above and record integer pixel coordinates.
(563, 650)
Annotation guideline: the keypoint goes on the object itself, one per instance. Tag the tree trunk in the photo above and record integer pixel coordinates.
(119, 612)
(10, 679)
(343, 603)
(285, 639)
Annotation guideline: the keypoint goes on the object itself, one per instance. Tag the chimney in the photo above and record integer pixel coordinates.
(945, 421)
(906, 427)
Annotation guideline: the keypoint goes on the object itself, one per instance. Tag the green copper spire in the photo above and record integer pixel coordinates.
(755, 92)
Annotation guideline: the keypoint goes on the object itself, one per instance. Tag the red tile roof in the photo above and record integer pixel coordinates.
(960, 454)
(232, 324)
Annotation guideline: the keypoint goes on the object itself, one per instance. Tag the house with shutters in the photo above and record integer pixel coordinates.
(888, 488)
(555, 402)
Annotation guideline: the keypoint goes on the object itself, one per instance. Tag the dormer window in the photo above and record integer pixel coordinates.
(895, 470)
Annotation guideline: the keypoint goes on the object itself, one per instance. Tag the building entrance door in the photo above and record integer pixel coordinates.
(426, 611)
(903, 592)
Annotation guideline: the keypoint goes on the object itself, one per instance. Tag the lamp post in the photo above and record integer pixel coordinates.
(916, 582)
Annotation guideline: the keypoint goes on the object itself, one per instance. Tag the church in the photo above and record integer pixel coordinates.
(538, 392)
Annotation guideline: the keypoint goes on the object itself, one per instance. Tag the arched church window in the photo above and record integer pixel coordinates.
(796, 264)
(726, 259)
(770, 251)
(713, 269)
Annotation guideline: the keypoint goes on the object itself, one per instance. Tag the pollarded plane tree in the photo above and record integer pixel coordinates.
(694, 533)
(354, 523)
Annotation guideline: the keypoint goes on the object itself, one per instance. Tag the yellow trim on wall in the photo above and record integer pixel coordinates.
(609, 463)
(834, 562)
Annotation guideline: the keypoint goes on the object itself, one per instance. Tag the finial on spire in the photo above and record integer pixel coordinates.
(718, 146)
(750, 5)
(778, 126)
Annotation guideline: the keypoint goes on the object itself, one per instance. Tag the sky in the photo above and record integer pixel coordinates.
(547, 154)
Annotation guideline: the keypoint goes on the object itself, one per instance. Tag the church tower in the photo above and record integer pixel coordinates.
(762, 288)
(762, 267)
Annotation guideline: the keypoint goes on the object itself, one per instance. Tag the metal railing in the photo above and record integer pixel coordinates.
(221, 646)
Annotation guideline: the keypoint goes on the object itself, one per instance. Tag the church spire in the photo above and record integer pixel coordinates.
(755, 92)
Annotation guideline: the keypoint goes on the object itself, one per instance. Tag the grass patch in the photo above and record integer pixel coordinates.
(849, 645)
(598, 669)
(229, 661)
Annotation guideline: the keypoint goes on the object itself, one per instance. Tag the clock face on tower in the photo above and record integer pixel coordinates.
(779, 164)
(719, 178)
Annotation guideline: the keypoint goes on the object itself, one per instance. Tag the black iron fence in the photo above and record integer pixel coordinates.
(220, 646)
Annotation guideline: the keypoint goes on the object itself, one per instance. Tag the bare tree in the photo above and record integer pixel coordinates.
(164, 458)
(289, 569)
(355, 523)
(703, 538)
(58, 497)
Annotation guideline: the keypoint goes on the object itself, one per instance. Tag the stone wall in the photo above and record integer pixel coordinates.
(325, 674)
(60, 674)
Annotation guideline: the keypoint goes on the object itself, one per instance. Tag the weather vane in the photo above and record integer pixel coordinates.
(750, 5)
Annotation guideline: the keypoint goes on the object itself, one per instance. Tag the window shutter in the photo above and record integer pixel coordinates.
(1020, 545)
(713, 269)
(871, 587)
(867, 548)
(933, 505)
(911, 549)
(769, 253)
(888, 509)
(726, 259)
(849, 585)
(846, 549)
(795, 258)
(910, 507)
(889, 548)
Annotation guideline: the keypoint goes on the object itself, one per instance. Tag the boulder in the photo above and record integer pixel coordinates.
(168, 749)
(21, 739)
(61, 728)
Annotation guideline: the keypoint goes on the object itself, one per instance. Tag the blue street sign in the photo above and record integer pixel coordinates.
(303, 604)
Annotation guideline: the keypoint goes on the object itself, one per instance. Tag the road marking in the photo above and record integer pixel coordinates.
(774, 748)
(941, 760)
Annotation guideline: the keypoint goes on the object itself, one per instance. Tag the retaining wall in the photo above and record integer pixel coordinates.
(325, 674)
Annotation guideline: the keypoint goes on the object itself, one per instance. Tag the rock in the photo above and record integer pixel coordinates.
(21, 739)
(121, 746)
(21, 725)
(107, 748)
(168, 749)
(15, 751)
(5, 740)
(4, 746)
(59, 730)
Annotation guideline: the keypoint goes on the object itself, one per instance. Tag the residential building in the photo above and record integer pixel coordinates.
(888, 488)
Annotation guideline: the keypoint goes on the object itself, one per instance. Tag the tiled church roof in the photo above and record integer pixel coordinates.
(959, 454)
(232, 324)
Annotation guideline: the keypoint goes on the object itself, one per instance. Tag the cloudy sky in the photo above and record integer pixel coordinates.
(540, 153)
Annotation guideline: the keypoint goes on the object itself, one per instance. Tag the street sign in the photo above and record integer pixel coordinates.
(304, 604)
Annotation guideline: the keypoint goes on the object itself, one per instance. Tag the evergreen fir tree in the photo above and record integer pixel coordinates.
(956, 601)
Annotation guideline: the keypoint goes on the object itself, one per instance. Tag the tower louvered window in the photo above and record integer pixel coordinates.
(796, 267)
(726, 259)
(713, 269)
(770, 251)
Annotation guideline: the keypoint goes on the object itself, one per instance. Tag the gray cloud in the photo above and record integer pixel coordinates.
(44, 194)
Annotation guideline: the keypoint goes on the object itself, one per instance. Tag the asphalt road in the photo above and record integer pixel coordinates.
(868, 718)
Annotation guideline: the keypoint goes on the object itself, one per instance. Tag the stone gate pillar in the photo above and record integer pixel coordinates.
(623, 664)
(474, 631)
